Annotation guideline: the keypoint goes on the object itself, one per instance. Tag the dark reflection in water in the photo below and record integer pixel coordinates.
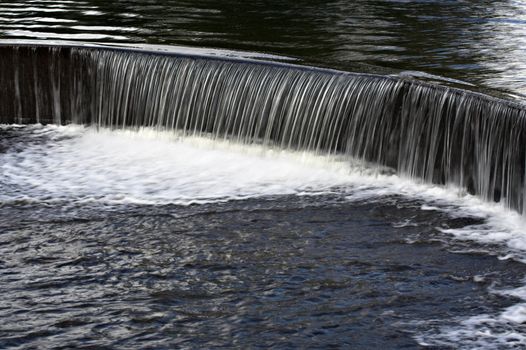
(289, 272)
(286, 272)
(483, 42)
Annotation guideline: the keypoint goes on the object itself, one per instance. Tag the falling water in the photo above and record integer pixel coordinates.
(434, 133)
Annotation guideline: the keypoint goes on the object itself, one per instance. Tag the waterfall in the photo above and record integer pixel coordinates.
(438, 134)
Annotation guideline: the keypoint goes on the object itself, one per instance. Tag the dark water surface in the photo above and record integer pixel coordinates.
(108, 240)
(356, 268)
(283, 272)
(481, 42)
(296, 273)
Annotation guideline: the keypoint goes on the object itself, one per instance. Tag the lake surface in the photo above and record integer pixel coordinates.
(147, 239)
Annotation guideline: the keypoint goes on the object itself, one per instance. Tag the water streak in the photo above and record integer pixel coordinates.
(438, 134)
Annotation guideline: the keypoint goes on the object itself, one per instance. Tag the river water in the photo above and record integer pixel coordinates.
(147, 239)
(480, 42)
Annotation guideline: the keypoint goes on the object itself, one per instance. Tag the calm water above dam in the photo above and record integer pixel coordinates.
(480, 42)
(242, 218)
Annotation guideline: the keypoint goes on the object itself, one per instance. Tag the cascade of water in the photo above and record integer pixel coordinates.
(438, 134)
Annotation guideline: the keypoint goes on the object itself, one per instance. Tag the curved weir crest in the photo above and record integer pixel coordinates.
(430, 132)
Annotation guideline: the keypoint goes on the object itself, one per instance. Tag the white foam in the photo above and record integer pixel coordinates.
(160, 167)
(505, 330)
(81, 165)
(157, 168)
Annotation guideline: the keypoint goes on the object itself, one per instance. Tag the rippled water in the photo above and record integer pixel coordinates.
(482, 42)
(145, 239)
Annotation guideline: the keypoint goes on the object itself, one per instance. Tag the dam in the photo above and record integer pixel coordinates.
(266, 175)
(438, 134)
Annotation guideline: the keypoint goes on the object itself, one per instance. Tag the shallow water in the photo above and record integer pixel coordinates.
(186, 242)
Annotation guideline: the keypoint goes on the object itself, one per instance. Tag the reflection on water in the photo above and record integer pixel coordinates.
(298, 263)
(483, 42)
(368, 269)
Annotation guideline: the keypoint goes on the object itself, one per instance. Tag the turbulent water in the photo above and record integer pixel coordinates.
(438, 134)
(206, 198)
(150, 239)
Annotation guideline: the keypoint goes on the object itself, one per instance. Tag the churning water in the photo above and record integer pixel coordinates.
(185, 198)
(149, 238)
